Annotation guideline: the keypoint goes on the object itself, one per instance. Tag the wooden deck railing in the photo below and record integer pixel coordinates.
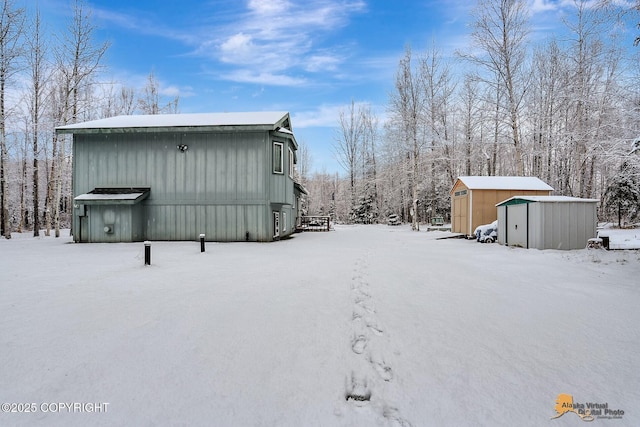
(315, 223)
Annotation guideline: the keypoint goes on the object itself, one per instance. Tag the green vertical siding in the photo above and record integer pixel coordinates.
(124, 220)
(220, 186)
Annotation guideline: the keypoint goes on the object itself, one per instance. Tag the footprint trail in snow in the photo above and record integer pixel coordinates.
(364, 384)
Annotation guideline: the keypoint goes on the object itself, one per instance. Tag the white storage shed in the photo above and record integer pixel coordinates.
(547, 222)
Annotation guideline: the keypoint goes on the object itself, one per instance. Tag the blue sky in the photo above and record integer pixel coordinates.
(308, 57)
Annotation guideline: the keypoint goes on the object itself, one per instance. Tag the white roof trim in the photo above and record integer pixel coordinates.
(264, 118)
(550, 199)
(504, 183)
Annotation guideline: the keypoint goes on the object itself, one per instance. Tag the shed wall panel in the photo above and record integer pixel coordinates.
(551, 225)
(535, 227)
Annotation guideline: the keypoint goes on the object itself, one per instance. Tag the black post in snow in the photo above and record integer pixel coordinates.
(147, 253)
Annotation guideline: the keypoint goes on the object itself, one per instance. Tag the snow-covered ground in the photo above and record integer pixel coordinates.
(621, 238)
(362, 326)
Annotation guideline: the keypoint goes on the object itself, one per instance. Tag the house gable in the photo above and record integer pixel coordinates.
(212, 178)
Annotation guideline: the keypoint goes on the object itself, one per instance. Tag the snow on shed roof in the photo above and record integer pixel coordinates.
(267, 119)
(548, 199)
(504, 183)
(113, 196)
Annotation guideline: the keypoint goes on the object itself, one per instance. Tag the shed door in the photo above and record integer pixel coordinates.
(517, 227)
(460, 213)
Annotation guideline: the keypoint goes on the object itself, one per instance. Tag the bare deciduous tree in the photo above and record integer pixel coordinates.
(78, 59)
(149, 102)
(35, 97)
(303, 168)
(11, 26)
(407, 108)
(437, 86)
(469, 103)
(348, 144)
(118, 100)
(500, 31)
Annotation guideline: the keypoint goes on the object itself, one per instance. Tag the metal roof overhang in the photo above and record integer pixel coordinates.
(282, 133)
(113, 196)
(162, 123)
(300, 188)
(165, 129)
(518, 200)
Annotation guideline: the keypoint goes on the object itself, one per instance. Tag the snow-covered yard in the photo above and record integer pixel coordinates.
(364, 326)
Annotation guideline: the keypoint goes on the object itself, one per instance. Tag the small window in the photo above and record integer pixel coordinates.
(278, 161)
(291, 163)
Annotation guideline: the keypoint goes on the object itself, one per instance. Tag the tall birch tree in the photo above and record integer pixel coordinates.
(348, 143)
(11, 26)
(37, 67)
(407, 109)
(500, 31)
(78, 60)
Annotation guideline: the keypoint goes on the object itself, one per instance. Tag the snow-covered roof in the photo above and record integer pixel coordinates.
(99, 196)
(90, 196)
(504, 183)
(549, 199)
(269, 120)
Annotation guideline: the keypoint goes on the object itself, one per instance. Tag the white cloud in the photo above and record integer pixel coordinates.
(236, 42)
(272, 38)
(265, 78)
(315, 63)
(271, 7)
(142, 23)
(174, 91)
(268, 41)
(323, 116)
(538, 6)
(238, 48)
(326, 115)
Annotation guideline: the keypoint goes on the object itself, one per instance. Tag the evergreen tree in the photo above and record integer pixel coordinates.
(623, 194)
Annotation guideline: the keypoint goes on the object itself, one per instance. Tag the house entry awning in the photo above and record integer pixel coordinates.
(113, 196)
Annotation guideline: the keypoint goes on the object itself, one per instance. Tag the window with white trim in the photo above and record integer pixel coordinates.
(291, 164)
(278, 160)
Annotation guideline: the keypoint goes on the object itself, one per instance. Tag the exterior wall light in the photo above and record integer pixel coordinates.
(183, 147)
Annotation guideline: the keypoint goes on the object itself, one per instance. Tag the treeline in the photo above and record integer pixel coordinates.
(50, 79)
(566, 111)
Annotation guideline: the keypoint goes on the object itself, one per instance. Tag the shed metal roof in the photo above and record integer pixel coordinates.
(504, 183)
(262, 120)
(545, 199)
